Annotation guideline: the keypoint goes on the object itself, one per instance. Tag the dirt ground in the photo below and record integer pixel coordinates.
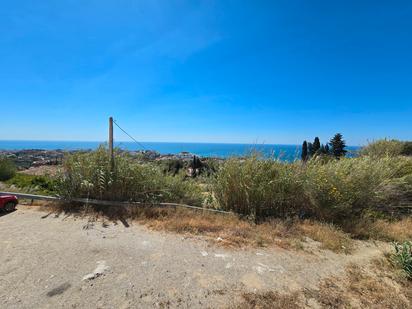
(49, 261)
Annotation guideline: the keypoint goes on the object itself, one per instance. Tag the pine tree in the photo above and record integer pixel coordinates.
(304, 151)
(338, 146)
(327, 150)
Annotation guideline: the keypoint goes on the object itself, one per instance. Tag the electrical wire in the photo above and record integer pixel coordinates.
(137, 142)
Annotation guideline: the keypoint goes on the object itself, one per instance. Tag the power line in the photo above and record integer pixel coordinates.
(137, 142)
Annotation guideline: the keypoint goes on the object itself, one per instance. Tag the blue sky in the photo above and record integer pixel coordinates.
(206, 71)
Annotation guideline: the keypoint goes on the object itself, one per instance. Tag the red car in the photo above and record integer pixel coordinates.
(8, 202)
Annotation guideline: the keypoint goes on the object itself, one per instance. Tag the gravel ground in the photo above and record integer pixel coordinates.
(66, 262)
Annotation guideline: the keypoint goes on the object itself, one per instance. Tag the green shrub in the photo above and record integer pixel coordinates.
(332, 190)
(343, 189)
(7, 169)
(257, 188)
(383, 148)
(33, 183)
(407, 149)
(402, 257)
(90, 175)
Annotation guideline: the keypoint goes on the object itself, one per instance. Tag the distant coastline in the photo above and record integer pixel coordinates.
(218, 150)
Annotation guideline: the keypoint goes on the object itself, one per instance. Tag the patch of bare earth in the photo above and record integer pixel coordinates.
(46, 257)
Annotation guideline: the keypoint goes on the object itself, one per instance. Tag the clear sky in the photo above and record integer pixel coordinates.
(207, 71)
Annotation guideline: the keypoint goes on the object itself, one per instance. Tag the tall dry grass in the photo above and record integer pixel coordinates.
(256, 187)
(330, 190)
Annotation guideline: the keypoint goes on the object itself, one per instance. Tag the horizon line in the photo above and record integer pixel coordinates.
(164, 142)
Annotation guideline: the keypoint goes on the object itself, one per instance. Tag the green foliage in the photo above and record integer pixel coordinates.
(256, 187)
(310, 149)
(171, 166)
(343, 189)
(7, 169)
(304, 151)
(328, 189)
(316, 146)
(338, 146)
(383, 148)
(402, 257)
(33, 183)
(90, 175)
(407, 149)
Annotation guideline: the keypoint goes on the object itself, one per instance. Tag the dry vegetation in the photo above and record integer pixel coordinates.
(269, 300)
(330, 236)
(377, 286)
(385, 230)
(225, 229)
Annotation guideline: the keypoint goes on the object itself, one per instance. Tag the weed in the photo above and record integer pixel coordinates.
(402, 257)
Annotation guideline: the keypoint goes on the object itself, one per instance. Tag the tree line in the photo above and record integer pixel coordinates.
(336, 147)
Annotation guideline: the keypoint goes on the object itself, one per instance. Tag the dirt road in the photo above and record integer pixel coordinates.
(56, 262)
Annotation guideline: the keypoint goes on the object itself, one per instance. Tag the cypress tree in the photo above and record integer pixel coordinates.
(338, 146)
(304, 151)
(316, 145)
(310, 150)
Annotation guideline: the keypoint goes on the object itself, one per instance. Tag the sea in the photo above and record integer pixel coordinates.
(217, 150)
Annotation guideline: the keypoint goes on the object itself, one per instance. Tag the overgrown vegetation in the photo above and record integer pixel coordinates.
(335, 191)
(7, 169)
(257, 188)
(387, 148)
(362, 196)
(92, 175)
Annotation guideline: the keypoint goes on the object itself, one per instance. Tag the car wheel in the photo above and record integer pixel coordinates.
(10, 206)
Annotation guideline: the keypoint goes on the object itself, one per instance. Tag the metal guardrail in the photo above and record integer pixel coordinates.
(105, 203)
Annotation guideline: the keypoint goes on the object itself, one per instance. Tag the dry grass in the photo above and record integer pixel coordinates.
(226, 230)
(373, 287)
(400, 230)
(269, 300)
(331, 237)
(394, 231)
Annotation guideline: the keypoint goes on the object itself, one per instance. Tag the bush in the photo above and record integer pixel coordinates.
(33, 183)
(383, 148)
(7, 169)
(258, 188)
(90, 175)
(407, 149)
(332, 190)
(342, 190)
(402, 257)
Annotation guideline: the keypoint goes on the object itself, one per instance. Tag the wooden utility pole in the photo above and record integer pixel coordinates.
(111, 154)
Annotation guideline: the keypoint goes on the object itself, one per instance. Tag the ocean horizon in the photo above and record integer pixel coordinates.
(219, 150)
